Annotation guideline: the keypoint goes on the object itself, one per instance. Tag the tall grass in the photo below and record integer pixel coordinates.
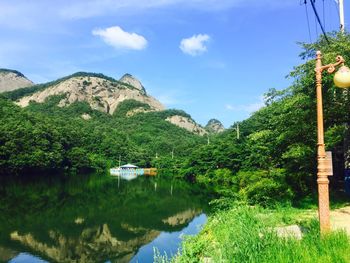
(246, 234)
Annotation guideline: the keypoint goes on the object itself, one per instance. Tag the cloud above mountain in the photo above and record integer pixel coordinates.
(118, 38)
(194, 45)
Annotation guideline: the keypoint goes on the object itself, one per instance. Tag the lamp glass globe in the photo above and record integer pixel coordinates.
(342, 77)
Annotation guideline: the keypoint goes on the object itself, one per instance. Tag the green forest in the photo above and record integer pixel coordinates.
(273, 159)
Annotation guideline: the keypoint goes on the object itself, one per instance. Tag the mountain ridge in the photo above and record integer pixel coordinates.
(102, 93)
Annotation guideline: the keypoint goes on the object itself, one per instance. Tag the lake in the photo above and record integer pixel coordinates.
(96, 218)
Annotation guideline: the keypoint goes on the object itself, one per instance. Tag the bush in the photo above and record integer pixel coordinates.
(262, 186)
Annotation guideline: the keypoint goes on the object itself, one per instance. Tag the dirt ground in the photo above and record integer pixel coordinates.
(340, 219)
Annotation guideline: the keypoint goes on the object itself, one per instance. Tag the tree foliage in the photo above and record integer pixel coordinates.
(281, 136)
(45, 137)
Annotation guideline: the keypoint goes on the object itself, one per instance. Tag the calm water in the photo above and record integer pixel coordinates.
(96, 219)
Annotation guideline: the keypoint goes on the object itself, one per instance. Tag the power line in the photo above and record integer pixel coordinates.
(324, 16)
(318, 19)
(308, 21)
(316, 28)
(330, 13)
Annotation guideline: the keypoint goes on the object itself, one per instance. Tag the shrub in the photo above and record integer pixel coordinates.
(262, 186)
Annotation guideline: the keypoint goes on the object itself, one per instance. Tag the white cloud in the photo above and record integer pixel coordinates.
(120, 39)
(194, 45)
(229, 107)
(248, 108)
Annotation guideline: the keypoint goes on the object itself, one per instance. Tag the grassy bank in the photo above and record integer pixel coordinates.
(246, 234)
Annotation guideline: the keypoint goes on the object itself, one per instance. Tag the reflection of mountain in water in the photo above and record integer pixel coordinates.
(182, 217)
(102, 222)
(93, 245)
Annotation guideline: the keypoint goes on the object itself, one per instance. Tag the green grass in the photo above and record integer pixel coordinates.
(245, 234)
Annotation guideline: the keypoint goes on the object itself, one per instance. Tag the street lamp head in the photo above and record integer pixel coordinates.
(342, 77)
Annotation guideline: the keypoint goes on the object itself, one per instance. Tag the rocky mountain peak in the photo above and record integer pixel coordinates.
(132, 81)
(214, 126)
(104, 94)
(100, 92)
(12, 79)
(186, 123)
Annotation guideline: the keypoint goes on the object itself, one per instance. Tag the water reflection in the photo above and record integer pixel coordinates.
(168, 242)
(93, 220)
(26, 258)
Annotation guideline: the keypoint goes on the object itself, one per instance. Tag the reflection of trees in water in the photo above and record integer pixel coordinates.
(95, 220)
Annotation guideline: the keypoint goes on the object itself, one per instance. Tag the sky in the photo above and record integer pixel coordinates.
(210, 58)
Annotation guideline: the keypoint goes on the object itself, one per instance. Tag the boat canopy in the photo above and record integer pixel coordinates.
(128, 166)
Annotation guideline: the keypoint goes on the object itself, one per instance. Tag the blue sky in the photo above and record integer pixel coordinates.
(211, 58)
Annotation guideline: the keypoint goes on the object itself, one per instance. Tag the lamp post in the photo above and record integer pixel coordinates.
(324, 164)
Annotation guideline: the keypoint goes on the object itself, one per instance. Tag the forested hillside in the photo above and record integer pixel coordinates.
(44, 137)
(275, 155)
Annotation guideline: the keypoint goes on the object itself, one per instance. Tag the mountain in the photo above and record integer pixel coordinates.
(12, 80)
(88, 121)
(101, 93)
(214, 126)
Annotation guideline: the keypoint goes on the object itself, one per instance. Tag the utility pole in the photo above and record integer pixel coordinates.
(237, 130)
(208, 139)
(341, 15)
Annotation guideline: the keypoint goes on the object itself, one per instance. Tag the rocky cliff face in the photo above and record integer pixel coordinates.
(186, 123)
(214, 126)
(130, 80)
(101, 93)
(11, 80)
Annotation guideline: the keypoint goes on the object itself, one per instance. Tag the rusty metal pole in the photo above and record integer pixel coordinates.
(324, 161)
(322, 174)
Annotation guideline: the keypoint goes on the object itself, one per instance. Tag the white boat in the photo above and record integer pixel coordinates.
(127, 172)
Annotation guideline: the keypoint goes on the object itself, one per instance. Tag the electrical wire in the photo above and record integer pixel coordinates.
(316, 28)
(324, 16)
(318, 19)
(330, 14)
(308, 21)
